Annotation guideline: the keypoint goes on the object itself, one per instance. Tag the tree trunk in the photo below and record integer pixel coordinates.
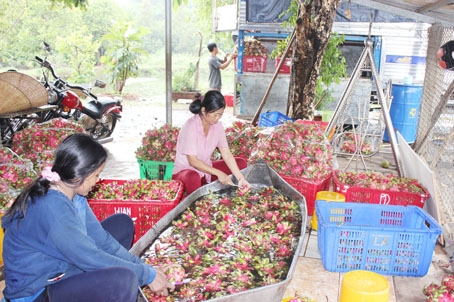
(121, 81)
(313, 30)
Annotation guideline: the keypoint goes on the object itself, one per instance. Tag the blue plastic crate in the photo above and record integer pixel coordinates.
(386, 239)
(272, 118)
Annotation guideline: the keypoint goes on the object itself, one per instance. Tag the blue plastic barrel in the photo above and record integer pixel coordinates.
(404, 111)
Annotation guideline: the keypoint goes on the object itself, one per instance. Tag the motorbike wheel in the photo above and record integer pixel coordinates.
(104, 128)
(9, 127)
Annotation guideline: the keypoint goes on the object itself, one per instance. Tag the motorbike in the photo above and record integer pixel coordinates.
(98, 115)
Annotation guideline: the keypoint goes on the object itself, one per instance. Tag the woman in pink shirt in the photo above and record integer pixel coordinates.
(197, 140)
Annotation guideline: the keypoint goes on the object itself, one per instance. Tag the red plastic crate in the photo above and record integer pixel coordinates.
(253, 64)
(144, 213)
(309, 189)
(286, 66)
(229, 100)
(374, 196)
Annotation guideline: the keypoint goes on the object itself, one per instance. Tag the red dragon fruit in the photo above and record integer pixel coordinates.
(443, 294)
(430, 289)
(226, 245)
(448, 281)
(175, 273)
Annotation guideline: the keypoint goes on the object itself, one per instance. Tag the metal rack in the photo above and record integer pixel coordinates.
(362, 128)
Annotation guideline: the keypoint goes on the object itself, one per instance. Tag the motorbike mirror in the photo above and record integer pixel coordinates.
(445, 55)
(100, 84)
(47, 46)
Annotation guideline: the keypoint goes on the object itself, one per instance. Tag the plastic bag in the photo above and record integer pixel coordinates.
(295, 149)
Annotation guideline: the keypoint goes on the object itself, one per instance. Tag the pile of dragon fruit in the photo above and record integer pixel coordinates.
(227, 242)
(443, 292)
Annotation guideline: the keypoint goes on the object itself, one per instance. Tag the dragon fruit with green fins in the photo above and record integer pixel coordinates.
(430, 289)
(443, 292)
(448, 281)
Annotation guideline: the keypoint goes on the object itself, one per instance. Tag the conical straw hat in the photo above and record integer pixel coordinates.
(33, 92)
(12, 98)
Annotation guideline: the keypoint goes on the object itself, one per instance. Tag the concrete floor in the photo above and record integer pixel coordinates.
(310, 278)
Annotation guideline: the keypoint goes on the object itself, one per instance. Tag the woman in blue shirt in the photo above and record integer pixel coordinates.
(54, 247)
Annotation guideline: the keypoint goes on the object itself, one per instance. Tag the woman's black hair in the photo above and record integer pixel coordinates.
(76, 158)
(212, 101)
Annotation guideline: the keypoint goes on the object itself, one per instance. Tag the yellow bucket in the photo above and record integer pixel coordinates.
(328, 196)
(364, 286)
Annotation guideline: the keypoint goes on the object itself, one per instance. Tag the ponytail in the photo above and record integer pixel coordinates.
(37, 188)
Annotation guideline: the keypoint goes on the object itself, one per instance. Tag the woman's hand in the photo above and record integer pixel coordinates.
(224, 179)
(161, 284)
(244, 185)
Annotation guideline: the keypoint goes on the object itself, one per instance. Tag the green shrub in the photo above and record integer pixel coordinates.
(184, 81)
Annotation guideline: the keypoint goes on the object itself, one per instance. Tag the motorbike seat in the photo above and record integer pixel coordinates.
(96, 108)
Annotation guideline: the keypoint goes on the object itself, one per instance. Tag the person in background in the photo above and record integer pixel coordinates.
(55, 249)
(197, 140)
(215, 65)
(445, 55)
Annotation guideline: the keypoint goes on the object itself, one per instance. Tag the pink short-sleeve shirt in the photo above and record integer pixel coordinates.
(192, 141)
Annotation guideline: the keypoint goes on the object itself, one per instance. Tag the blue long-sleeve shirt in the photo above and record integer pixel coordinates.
(56, 236)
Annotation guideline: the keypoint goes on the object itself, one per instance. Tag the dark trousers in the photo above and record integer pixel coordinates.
(104, 285)
(121, 227)
(192, 181)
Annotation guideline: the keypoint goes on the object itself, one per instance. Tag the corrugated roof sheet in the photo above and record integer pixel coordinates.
(428, 11)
